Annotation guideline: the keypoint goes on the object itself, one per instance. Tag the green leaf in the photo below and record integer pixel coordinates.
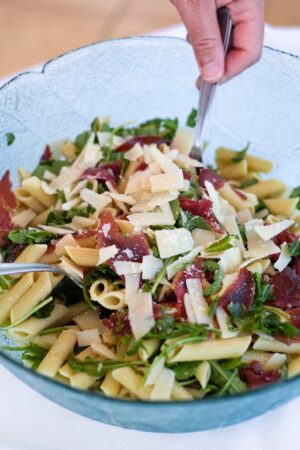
(184, 370)
(216, 284)
(81, 140)
(103, 270)
(56, 217)
(10, 137)
(96, 125)
(228, 381)
(32, 353)
(294, 248)
(6, 282)
(100, 369)
(296, 193)
(248, 183)
(221, 245)
(45, 311)
(160, 275)
(192, 118)
(190, 222)
(260, 205)
(29, 237)
(175, 207)
(241, 154)
(53, 166)
(193, 191)
(212, 307)
(262, 290)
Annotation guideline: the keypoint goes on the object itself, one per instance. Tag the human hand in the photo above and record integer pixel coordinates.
(200, 19)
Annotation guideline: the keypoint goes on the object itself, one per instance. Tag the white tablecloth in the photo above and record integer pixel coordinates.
(28, 421)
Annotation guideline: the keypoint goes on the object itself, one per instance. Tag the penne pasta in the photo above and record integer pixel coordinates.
(254, 163)
(83, 256)
(34, 187)
(266, 188)
(234, 171)
(32, 253)
(10, 297)
(58, 353)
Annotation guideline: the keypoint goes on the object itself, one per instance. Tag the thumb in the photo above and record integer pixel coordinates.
(200, 19)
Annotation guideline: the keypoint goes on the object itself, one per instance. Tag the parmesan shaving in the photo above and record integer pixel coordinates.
(140, 311)
(127, 267)
(97, 201)
(267, 232)
(150, 266)
(105, 253)
(173, 242)
(197, 300)
(215, 198)
(171, 180)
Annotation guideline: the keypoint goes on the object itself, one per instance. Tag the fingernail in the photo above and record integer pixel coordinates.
(211, 72)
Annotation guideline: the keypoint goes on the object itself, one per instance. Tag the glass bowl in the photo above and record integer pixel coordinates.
(136, 79)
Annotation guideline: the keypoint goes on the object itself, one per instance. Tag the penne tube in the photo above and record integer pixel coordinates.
(266, 188)
(58, 353)
(41, 218)
(234, 171)
(255, 164)
(229, 194)
(281, 206)
(32, 253)
(46, 341)
(110, 386)
(113, 300)
(149, 348)
(275, 362)
(83, 256)
(103, 351)
(294, 367)
(67, 371)
(133, 382)
(82, 380)
(125, 394)
(70, 267)
(23, 218)
(212, 349)
(180, 393)
(40, 289)
(28, 200)
(33, 185)
(89, 320)
(203, 373)
(100, 287)
(23, 174)
(33, 325)
(12, 295)
(272, 345)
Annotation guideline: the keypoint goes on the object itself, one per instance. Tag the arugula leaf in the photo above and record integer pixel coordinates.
(193, 191)
(103, 270)
(53, 166)
(175, 207)
(260, 205)
(221, 245)
(262, 290)
(190, 222)
(28, 237)
(296, 193)
(109, 155)
(184, 370)
(6, 282)
(228, 381)
(10, 137)
(32, 353)
(160, 275)
(56, 217)
(248, 183)
(81, 140)
(100, 369)
(241, 154)
(216, 284)
(45, 311)
(212, 307)
(96, 125)
(242, 231)
(294, 248)
(192, 118)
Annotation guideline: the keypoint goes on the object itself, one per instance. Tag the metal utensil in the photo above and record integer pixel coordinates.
(15, 268)
(208, 90)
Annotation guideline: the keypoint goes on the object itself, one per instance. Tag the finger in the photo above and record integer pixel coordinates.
(200, 19)
(247, 38)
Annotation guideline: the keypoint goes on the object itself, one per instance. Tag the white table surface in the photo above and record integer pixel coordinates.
(29, 421)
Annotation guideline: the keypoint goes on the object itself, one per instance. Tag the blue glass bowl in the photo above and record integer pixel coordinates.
(139, 78)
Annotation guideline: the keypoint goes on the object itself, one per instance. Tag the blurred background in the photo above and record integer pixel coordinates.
(32, 31)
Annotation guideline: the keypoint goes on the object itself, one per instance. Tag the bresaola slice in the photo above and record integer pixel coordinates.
(106, 172)
(179, 283)
(206, 174)
(286, 289)
(47, 154)
(7, 203)
(202, 208)
(255, 375)
(142, 140)
(131, 248)
(241, 291)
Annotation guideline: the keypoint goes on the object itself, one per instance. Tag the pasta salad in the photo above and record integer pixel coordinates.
(190, 274)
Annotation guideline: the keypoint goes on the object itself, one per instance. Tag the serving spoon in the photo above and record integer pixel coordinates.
(16, 268)
(208, 90)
